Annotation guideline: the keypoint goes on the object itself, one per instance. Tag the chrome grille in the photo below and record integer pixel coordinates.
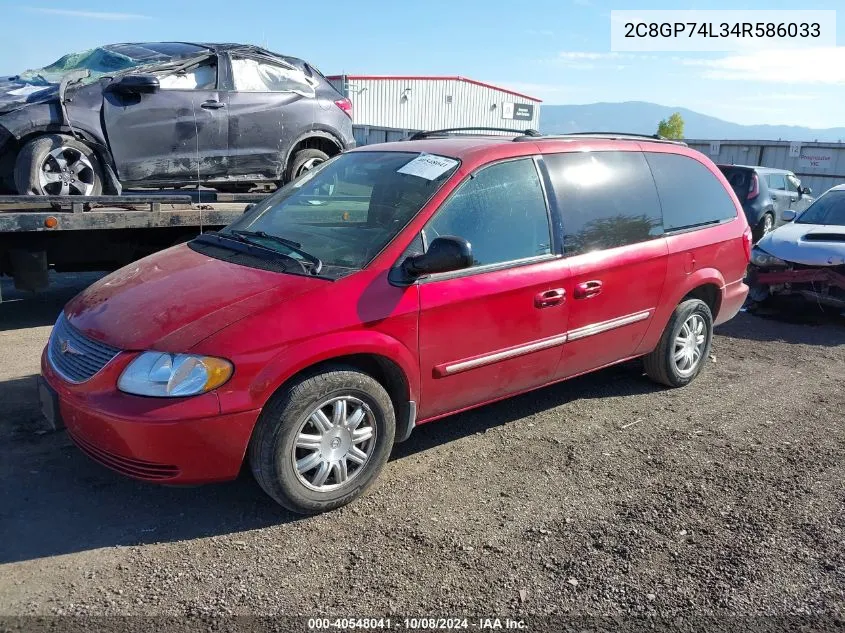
(75, 356)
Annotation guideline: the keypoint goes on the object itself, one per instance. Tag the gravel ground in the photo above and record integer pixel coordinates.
(605, 495)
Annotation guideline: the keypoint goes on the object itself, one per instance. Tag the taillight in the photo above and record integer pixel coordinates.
(746, 243)
(345, 105)
(755, 187)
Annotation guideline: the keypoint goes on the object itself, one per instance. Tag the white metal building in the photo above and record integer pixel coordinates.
(431, 103)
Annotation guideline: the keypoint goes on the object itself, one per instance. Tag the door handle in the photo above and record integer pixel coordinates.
(587, 289)
(549, 298)
(212, 105)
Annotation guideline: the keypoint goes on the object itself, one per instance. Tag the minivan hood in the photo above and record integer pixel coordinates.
(172, 300)
(808, 244)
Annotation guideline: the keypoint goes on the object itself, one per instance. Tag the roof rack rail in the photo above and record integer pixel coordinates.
(426, 134)
(656, 138)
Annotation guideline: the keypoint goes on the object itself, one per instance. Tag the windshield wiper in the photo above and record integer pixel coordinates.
(296, 247)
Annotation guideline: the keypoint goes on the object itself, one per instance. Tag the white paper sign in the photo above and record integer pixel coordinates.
(715, 147)
(507, 109)
(428, 166)
(794, 150)
(815, 159)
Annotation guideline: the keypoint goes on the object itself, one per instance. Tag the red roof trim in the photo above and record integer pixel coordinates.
(436, 78)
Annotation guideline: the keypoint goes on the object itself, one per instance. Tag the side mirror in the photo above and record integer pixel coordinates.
(444, 254)
(135, 84)
(789, 215)
(805, 191)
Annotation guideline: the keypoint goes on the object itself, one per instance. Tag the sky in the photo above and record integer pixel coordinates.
(556, 50)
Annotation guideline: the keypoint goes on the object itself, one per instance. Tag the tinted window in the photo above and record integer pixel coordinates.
(689, 193)
(828, 209)
(501, 211)
(776, 181)
(607, 199)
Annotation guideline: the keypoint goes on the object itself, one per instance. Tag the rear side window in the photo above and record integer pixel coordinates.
(606, 199)
(776, 181)
(252, 75)
(500, 211)
(689, 193)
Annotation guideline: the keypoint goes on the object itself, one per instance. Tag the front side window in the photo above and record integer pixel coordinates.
(690, 195)
(254, 75)
(500, 211)
(345, 211)
(828, 209)
(606, 199)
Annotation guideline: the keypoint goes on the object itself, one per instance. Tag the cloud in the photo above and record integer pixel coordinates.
(91, 15)
(794, 66)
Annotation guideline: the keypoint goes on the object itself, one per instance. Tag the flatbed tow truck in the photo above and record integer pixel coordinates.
(93, 233)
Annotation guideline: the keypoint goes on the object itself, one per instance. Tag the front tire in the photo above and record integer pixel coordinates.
(321, 441)
(684, 345)
(58, 165)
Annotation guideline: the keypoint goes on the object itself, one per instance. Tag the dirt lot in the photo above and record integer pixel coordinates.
(606, 495)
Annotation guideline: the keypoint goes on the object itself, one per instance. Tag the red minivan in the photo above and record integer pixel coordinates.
(391, 286)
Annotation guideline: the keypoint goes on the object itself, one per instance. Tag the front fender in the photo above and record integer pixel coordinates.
(297, 357)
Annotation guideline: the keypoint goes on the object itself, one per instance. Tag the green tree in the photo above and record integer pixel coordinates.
(673, 127)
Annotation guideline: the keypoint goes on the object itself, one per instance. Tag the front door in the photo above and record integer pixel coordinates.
(496, 328)
(613, 243)
(178, 133)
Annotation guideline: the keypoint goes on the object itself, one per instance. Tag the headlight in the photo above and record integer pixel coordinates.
(172, 375)
(761, 258)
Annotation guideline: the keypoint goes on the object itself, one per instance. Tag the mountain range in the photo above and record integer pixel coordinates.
(642, 117)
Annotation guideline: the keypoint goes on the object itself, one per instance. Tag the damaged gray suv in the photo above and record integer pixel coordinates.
(167, 114)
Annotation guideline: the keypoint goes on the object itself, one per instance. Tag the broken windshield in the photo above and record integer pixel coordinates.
(107, 60)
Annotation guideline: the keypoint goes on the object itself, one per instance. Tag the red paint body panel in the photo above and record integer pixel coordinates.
(188, 433)
(461, 340)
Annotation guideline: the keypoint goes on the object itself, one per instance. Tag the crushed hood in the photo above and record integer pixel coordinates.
(808, 244)
(16, 92)
(172, 300)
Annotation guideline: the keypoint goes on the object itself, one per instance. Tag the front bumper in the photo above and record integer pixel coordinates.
(176, 441)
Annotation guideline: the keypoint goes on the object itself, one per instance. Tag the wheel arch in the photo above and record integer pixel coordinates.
(376, 354)
(323, 140)
(706, 284)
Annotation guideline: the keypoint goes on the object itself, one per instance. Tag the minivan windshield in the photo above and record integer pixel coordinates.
(828, 209)
(345, 211)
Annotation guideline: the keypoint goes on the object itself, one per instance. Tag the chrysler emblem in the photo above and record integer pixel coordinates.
(66, 347)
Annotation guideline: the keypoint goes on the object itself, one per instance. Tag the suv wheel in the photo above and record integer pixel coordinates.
(765, 225)
(684, 346)
(304, 160)
(58, 165)
(321, 442)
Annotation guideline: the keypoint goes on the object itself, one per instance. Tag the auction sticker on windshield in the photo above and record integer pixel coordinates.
(428, 166)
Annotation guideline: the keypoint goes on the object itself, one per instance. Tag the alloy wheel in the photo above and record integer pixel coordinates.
(308, 165)
(334, 443)
(66, 172)
(689, 345)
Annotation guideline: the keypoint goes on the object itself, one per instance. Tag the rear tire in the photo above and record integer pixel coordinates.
(304, 160)
(674, 363)
(57, 164)
(289, 437)
(765, 225)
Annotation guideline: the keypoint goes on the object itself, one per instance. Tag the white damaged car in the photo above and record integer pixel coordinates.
(805, 257)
